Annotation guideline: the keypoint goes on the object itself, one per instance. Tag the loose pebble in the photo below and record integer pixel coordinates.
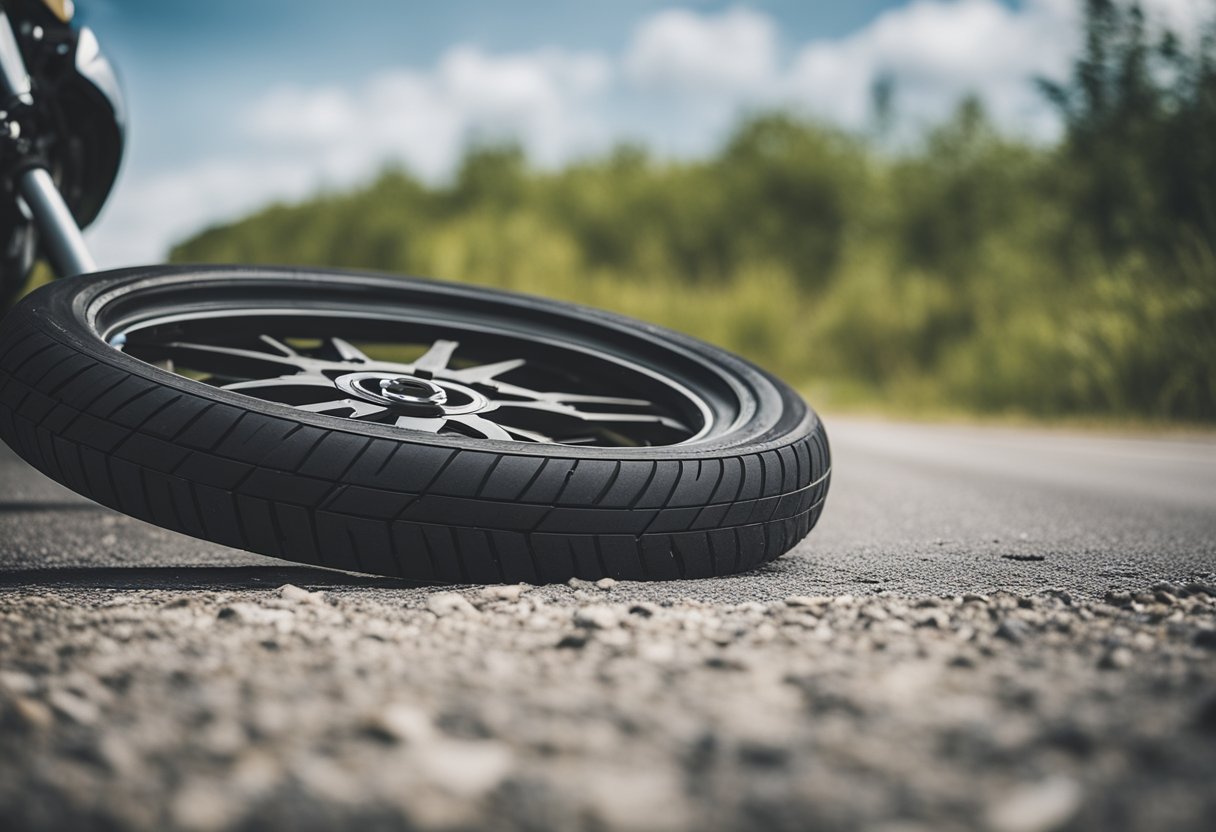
(291, 592)
(1117, 658)
(1038, 807)
(596, 617)
(29, 713)
(508, 592)
(400, 722)
(1013, 630)
(449, 604)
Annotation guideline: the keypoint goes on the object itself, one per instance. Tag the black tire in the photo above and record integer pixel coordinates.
(325, 490)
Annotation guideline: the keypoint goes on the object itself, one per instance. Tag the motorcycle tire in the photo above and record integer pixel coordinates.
(408, 427)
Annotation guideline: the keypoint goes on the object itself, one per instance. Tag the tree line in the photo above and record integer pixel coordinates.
(965, 271)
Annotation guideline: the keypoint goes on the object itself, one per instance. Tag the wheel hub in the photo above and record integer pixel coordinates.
(411, 395)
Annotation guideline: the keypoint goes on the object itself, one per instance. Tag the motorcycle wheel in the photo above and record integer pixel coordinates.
(433, 431)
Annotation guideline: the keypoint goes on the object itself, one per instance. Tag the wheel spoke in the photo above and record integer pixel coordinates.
(436, 358)
(581, 398)
(530, 435)
(358, 409)
(568, 398)
(486, 372)
(278, 346)
(583, 416)
(349, 351)
(299, 380)
(481, 426)
(431, 425)
(227, 360)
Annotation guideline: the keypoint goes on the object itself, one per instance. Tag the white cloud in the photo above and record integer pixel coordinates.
(544, 98)
(678, 84)
(147, 214)
(301, 139)
(937, 52)
(682, 51)
(1187, 18)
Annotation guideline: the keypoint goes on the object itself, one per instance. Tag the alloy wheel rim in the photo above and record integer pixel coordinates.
(465, 382)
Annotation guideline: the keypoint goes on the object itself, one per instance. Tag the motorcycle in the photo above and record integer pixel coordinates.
(431, 431)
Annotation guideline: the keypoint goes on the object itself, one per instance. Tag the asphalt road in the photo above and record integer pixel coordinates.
(914, 509)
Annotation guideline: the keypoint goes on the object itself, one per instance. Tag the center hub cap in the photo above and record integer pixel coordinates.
(410, 395)
(410, 391)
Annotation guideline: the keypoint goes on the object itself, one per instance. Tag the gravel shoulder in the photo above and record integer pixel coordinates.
(570, 708)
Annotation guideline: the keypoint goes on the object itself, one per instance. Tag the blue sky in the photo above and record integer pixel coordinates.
(237, 103)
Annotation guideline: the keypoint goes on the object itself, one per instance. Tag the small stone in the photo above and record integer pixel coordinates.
(606, 583)
(29, 713)
(400, 722)
(228, 613)
(201, 807)
(291, 592)
(596, 617)
(468, 769)
(645, 609)
(720, 662)
(1063, 596)
(937, 620)
(804, 601)
(1038, 807)
(657, 652)
(75, 708)
(1206, 639)
(116, 754)
(17, 682)
(641, 799)
(1117, 658)
(975, 598)
(449, 603)
(509, 593)
(1013, 630)
(759, 753)
(572, 641)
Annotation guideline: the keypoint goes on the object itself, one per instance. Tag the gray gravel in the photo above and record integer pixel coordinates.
(992, 629)
(570, 708)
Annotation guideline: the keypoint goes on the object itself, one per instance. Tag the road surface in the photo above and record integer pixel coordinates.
(1011, 630)
(913, 509)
